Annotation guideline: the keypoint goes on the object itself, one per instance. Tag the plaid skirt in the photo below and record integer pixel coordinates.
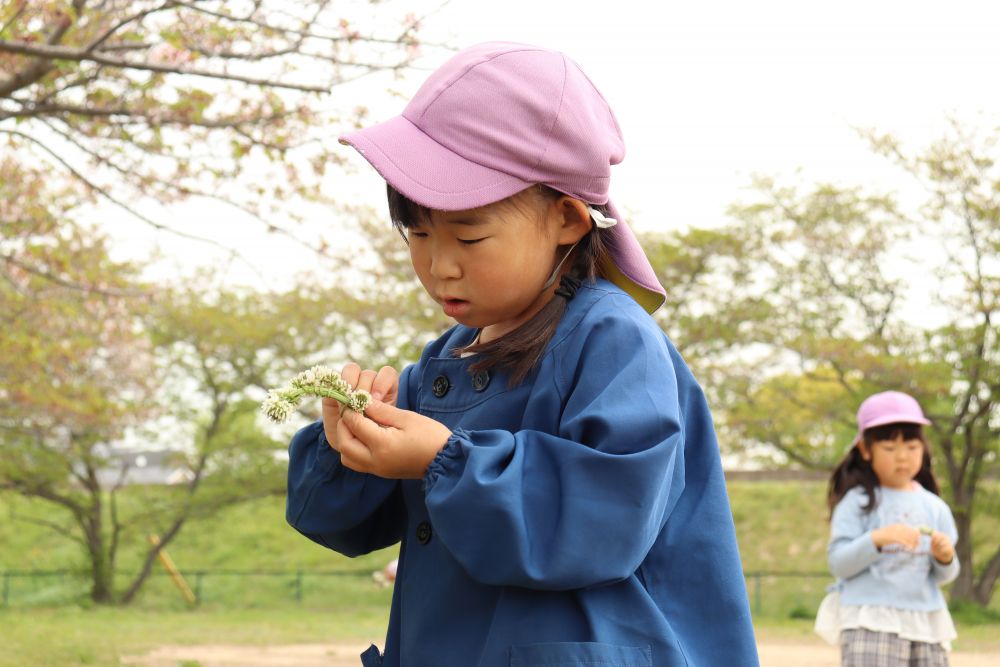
(865, 648)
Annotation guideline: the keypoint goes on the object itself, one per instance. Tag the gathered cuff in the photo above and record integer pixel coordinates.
(327, 458)
(445, 459)
(946, 573)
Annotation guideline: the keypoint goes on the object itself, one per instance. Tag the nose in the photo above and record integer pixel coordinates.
(444, 263)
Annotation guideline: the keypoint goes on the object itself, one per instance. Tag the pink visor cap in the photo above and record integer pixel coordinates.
(498, 118)
(889, 407)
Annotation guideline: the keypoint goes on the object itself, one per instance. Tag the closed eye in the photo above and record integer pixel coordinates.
(472, 241)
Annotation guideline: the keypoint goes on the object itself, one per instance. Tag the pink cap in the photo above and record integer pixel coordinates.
(889, 407)
(497, 118)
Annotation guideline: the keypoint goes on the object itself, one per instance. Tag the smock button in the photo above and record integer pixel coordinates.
(480, 380)
(423, 532)
(440, 386)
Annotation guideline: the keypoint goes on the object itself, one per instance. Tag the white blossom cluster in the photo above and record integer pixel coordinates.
(317, 381)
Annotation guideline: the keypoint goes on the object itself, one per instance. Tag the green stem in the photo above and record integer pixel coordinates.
(296, 393)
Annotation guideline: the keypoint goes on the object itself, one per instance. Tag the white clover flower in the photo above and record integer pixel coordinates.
(276, 407)
(323, 374)
(359, 400)
(317, 381)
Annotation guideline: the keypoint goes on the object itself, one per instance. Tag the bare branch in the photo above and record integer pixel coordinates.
(311, 34)
(191, 192)
(86, 289)
(36, 69)
(124, 22)
(114, 200)
(58, 528)
(17, 15)
(83, 55)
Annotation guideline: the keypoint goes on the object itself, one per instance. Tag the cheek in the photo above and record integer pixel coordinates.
(419, 260)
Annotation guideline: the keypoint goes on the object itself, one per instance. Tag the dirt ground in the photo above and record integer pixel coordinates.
(772, 654)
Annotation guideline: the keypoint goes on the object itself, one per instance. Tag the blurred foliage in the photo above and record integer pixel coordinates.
(127, 103)
(132, 102)
(815, 297)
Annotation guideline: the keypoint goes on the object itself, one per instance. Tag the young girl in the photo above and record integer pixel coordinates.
(891, 545)
(549, 465)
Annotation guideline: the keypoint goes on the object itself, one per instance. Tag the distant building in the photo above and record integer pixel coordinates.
(128, 467)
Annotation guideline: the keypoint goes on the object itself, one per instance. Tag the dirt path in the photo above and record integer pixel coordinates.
(772, 654)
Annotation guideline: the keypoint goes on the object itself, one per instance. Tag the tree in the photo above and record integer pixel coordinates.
(819, 296)
(117, 103)
(164, 100)
(183, 369)
(218, 350)
(74, 366)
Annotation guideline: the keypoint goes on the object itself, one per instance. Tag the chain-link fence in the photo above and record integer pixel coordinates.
(772, 593)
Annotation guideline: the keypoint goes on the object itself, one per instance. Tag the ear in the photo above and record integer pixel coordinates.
(863, 449)
(573, 218)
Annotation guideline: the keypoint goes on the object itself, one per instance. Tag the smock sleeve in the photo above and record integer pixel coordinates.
(944, 574)
(851, 548)
(350, 512)
(582, 506)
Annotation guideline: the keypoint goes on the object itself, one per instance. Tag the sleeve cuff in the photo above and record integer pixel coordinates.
(327, 458)
(946, 573)
(446, 459)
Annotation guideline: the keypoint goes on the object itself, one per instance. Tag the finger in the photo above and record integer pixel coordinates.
(365, 380)
(353, 452)
(363, 429)
(331, 408)
(385, 386)
(331, 416)
(351, 373)
(378, 413)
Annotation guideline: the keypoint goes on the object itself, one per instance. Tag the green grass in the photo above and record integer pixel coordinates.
(250, 538)
(70, 636)
(781, 527)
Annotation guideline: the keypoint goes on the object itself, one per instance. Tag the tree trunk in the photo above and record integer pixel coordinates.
(102, 578)
(988, 579)
(148, 562)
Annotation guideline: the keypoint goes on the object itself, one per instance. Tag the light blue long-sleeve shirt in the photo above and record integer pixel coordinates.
(580, 518)
(894, 577)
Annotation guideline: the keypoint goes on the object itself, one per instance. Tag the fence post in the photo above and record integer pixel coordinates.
(756, 593)
(6, 588)
(197, 587)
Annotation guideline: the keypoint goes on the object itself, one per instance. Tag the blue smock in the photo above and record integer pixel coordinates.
(579, 518)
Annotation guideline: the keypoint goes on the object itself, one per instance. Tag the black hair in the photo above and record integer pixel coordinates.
(854, 470)
(519, 351)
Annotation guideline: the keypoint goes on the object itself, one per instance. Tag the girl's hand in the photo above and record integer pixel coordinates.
(896, 533)
(941, 548)
(382, 385)
(389, 442)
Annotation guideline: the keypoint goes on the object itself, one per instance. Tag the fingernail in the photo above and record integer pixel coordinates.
(377, 395)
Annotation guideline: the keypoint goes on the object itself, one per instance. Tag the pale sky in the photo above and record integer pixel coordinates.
(708, 93)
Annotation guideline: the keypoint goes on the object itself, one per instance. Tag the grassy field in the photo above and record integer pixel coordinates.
(781, 528)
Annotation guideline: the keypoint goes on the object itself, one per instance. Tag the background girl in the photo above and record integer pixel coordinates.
(549, 465)
(891, 544)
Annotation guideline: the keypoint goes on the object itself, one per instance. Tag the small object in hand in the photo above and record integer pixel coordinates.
(925, 529)
(317, 381)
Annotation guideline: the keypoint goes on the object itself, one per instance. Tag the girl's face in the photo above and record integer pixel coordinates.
(895, 462)
(486, 266)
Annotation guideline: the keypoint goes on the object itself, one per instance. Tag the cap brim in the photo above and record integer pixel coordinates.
(898, 418)
(427, 172)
